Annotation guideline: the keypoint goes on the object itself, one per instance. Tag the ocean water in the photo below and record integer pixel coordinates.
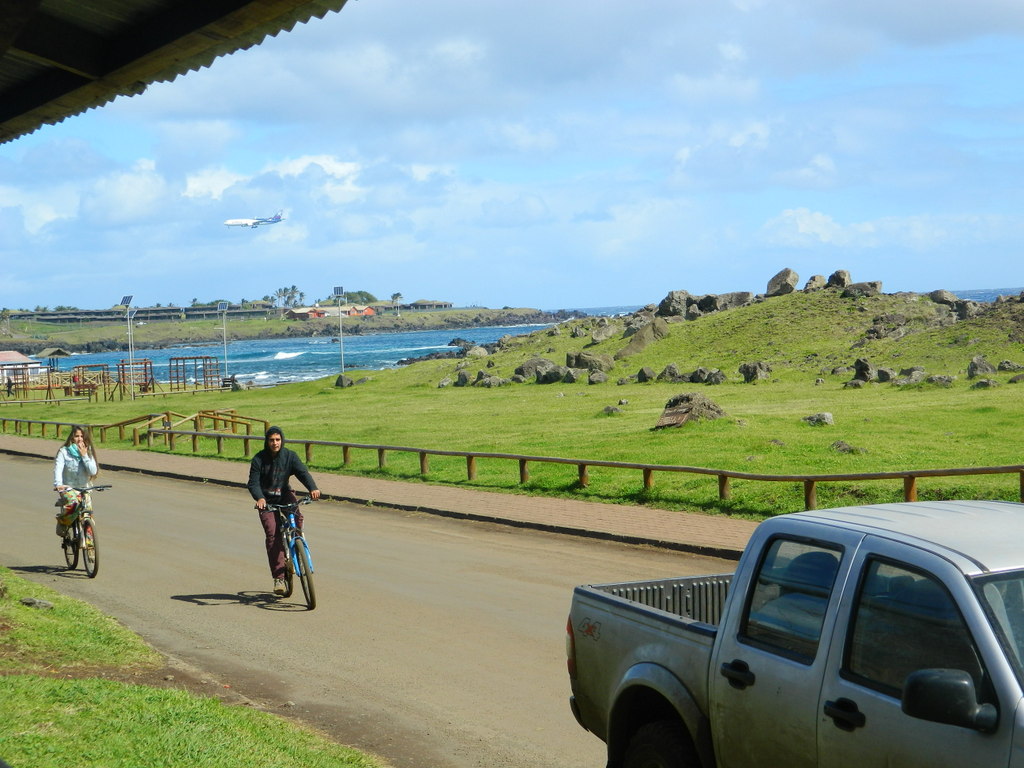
(276, 361)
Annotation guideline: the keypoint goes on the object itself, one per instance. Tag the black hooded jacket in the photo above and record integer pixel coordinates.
(269, 474)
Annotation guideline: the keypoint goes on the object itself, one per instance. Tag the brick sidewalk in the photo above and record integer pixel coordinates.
(711, 535)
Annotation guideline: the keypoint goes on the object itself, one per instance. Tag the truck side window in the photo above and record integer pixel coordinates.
(903, 621)
(789, 598)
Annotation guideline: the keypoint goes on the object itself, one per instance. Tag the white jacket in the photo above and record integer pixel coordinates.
(73, 470)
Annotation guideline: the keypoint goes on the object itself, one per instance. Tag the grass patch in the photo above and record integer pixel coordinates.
(81, 720)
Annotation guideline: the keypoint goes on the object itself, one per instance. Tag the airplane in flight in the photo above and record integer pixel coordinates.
(253, 222)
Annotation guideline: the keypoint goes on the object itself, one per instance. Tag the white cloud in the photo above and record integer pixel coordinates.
(211, 182)
(127, 196)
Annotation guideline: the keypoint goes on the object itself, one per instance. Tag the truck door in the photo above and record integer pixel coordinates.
(767, 673)
(903, 616)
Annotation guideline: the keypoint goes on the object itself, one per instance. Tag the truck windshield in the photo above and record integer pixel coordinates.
(1003, 597)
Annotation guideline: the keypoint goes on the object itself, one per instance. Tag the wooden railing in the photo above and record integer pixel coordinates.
(724, 476)
(160, 425)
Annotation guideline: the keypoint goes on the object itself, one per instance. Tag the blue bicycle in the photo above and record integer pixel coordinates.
(298, 560)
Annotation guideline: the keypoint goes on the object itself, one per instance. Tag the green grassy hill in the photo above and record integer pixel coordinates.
(803, 337)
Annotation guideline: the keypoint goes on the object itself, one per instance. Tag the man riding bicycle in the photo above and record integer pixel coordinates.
(269, 473)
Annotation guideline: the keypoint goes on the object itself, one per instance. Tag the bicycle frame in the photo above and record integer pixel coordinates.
(292, 537)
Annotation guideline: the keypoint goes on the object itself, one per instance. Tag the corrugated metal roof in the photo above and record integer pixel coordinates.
(63, 57)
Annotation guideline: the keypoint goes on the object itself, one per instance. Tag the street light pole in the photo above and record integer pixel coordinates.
(339, 293)
(222, 307)
(126, 302)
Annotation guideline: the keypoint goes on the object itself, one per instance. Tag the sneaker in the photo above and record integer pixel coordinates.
(279, 587)
(62, 530)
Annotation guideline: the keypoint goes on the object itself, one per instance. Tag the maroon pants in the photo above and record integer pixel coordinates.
(275, 547)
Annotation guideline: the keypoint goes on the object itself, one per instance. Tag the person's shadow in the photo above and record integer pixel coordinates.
(265, 600)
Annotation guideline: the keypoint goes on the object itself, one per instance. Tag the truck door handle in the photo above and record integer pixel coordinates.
(738, 673)
(845, 714)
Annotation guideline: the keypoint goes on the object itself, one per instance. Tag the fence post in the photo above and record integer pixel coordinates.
(346, 455)
(170, 441)
(810, 494)
(524, 472)
(648, 478)
(381, 459)
(724, 491)
(135, 436)
(424, 463)
(195, 443)
(910, 488)
(471, 471)
(220, 444)
(309, 453)
(584, 475)
(248, 450)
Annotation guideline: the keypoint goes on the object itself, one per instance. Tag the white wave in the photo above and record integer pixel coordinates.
(287, 355)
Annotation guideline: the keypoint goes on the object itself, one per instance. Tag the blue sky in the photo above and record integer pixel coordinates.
(539, 154)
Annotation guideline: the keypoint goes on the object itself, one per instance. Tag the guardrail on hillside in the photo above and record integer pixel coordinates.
(724, 476)
(228, 420)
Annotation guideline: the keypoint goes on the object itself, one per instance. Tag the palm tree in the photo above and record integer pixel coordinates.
(396, 299)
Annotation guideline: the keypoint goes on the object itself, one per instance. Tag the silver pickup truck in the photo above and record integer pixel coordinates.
(888, 635)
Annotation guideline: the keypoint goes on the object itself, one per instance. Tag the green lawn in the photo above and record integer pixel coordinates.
(78, 719)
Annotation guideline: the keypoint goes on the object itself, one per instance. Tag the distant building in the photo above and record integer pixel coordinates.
(421, 304)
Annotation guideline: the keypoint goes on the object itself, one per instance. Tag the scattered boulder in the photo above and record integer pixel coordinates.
(1017, 379)
(941, 381)
(752, 372)
(816, 283)
(463, 379)
(603, 333)
(944, 297)
(476, 351)
(985, 384)
(597, 377)
(688, 407)
(965, 310)
(854, 384)
(823, 419)
(844, 447)
(864, 370)
(839, 279)
(979, 366)
(653, 331)
(445, 382)
(862, 290)
(645, 375)
(674, 304)
(35, 602)
(714, 377)
(886, 374)
(1006, 365)
(589, 361)
(344, 381)
(611, 410)
(672, 374)
(784, 282)
(533, 366)
(554, 375)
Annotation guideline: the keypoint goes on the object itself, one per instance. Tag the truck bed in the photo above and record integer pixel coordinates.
(699, 598)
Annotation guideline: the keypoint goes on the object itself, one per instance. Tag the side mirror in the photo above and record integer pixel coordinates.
(947, 696)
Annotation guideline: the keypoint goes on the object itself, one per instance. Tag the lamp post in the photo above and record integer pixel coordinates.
(129, 314)
(222, 307)
(339, 293)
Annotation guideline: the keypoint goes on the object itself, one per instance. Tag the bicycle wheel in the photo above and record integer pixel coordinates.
(289, 570)
(305, 572)
(90, 549)
(71, 546)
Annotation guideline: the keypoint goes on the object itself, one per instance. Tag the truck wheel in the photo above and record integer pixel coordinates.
(661, 744)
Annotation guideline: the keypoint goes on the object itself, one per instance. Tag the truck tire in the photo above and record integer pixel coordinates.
(661, 744)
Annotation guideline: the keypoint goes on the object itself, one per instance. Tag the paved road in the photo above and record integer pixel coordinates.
(437, 642)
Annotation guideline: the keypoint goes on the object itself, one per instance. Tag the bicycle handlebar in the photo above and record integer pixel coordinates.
(284, 507)
(90, 488)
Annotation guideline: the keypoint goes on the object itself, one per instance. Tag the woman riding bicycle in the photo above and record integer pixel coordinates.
(269, 473)
(74, 466)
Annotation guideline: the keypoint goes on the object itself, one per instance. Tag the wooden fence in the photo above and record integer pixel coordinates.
(159, 426)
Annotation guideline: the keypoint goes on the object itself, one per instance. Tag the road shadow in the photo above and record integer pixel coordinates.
(268, 601)
(51, 570)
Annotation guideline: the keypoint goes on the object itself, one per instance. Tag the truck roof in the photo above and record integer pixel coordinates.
(980, 536)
